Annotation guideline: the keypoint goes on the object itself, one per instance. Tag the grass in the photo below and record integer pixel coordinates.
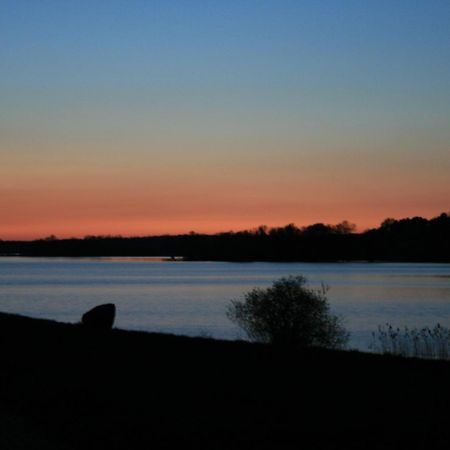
(64, 387)
(433, 343)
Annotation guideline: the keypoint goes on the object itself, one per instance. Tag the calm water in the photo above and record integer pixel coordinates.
(191, 297)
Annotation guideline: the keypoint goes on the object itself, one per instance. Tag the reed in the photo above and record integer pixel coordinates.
(432, 343)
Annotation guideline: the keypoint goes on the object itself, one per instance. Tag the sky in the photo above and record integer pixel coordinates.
(152, 117)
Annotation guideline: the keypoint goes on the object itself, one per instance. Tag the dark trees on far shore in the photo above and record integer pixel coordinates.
(408, 240)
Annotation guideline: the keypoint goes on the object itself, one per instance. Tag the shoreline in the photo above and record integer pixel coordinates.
(151, 258)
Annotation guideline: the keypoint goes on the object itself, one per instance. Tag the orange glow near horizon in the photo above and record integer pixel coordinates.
(192, 189)
(169, 189)
(229, 199)
(198, 191)
(152, 228)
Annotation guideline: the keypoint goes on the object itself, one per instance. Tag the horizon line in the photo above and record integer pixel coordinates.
(354, 230)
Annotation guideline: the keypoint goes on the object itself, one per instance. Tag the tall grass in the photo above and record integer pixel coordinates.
(414, 342)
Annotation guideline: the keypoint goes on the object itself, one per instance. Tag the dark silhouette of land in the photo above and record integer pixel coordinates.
(66, 387)
(411, 240)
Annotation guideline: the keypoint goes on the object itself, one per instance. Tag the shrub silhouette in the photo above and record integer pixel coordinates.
(289, 313)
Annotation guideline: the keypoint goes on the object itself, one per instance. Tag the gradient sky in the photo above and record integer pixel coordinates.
(143, 117)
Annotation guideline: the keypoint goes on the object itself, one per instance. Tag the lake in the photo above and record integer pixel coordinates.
(190, 298)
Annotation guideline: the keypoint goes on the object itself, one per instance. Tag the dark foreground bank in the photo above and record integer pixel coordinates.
(64, 387)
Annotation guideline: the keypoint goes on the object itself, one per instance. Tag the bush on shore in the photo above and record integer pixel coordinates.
(289, 313)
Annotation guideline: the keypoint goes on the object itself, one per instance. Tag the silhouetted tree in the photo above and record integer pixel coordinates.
(345, 227)
(387, 223)
(318, 229)
(289, 313)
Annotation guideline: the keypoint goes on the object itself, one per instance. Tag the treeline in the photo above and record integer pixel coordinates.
(412, 239)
